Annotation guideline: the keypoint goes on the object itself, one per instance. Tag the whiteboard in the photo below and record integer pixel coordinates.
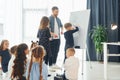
(80, 19)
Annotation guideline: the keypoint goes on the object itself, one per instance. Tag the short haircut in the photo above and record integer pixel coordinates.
(54, 8)
(67, 25)
(13, 49)
(71, 50)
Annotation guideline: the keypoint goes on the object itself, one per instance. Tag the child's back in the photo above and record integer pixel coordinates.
(35, 71)
(71, 65)
(69, 35)
(69, 38)
(72, 68)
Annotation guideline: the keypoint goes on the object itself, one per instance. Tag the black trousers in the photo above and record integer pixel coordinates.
(55, 45)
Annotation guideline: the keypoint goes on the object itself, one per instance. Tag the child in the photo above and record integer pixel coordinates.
(33, 45)
(71, 65)
(5, 56)
(69, 36)
(44, 38)
(20, 63)
(37, 69)
(13, 53)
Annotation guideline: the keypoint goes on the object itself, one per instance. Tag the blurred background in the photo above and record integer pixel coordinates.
(19, 19)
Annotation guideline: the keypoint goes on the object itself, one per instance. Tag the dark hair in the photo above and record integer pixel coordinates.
(2, 44)
(33, 45)
(67, 25)
(13, 49)
(37, 53)
(19, 62)
(54, 8)
(44, 22)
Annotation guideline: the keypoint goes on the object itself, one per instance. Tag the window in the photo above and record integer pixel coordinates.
(31, 20)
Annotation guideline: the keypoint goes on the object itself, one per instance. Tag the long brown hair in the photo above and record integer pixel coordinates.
(2, 44)
(38, 53)
(19, 62)
(44, 23)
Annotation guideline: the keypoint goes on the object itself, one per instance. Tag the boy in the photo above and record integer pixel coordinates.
(69, 36)
(71, 65)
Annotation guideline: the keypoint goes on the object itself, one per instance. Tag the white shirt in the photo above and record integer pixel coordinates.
(10, 65)
(71, 68)
(56, 29)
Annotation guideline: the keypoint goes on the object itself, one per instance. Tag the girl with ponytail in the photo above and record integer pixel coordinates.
(37, 70)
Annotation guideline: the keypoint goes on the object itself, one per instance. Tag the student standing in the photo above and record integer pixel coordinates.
(44, 38)
(20, 63)
(69, 36)
(37, 70)
(55, 26)
(5, 57)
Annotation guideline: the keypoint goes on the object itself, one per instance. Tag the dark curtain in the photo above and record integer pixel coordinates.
(103, 12)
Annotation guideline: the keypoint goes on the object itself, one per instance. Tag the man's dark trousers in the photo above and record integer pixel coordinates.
(55, 45)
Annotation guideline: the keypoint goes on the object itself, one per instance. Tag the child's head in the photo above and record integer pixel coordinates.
(68, 26)
(44, 22)
(20, 61)
(38, 54)
(70, 52)
(13, 50)
(4, 45)
(34, 44)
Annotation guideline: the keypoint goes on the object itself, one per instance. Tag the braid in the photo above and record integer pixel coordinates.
(30, 66)
(38, 54)
(41, 77)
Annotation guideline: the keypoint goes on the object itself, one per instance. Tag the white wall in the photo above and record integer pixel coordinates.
(11, 15)
(13, 21)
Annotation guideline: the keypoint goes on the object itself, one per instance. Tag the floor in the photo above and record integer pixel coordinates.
(96, 72)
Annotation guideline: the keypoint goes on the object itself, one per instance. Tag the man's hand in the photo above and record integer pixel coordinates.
(62, 32)
(55, 36)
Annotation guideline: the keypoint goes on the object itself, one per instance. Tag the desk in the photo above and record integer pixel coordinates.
(106, 55)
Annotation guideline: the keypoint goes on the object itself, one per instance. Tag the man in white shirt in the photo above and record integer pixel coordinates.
(71, 65)
(55, 26)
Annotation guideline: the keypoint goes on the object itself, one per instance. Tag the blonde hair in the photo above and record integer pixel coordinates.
(37, 53)
(2, 44)
(70, 51)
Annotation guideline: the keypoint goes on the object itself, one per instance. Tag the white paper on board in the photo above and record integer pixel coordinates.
(81, 19)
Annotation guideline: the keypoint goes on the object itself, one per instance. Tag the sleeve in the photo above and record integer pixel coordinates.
(66, 65)
(48, 33)
(75, 30)
(61, 25)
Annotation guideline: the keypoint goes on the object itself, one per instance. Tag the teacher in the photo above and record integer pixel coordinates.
(55, 28)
